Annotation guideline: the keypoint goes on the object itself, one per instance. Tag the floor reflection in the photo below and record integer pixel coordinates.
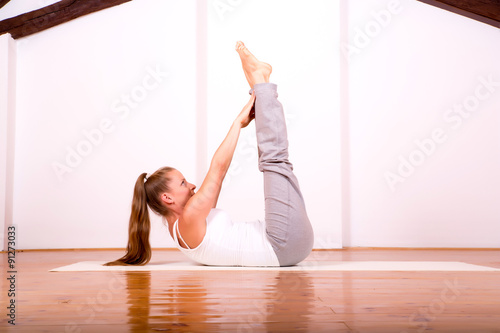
(291, 301)
(285, 303)
(179, 303)
(138, 300)
(224, 301)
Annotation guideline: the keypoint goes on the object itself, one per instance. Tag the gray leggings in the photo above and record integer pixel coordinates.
(287, 225)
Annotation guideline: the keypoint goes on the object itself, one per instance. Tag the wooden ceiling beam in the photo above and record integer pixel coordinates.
(3, 3)
(52, 15)
(486, 11)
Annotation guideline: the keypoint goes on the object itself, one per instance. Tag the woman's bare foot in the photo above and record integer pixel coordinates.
(255, 71)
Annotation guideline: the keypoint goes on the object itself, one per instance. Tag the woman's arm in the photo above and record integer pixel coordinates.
(199, 206)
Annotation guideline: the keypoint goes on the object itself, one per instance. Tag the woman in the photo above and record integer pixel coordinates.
(206, 234)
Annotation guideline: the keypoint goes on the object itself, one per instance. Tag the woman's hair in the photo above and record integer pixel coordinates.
(147, 191)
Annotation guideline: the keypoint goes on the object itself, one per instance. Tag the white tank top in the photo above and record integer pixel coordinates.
(231, 244)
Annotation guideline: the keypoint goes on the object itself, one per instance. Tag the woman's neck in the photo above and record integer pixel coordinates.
(172, 218)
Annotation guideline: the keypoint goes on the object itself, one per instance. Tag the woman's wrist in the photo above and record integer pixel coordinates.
(238, 123)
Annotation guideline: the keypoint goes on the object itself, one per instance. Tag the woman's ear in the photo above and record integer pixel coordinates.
(167, 198)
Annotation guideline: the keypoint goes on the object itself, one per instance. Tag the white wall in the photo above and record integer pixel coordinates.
(300, 45)
(403, 82)
(70, 77)
(7, 135)
(403, 79)
(73, 77)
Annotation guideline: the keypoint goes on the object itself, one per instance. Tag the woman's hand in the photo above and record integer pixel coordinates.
(248, 113)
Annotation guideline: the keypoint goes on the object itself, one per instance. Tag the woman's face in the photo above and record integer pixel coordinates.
(180, 190)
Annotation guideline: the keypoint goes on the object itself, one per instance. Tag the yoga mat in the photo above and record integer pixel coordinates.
(91, 266)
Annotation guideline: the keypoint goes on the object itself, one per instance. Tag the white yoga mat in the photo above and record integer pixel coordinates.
(87, 266)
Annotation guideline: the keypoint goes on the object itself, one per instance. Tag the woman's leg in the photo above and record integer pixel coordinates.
(287, 224)
(288, 227)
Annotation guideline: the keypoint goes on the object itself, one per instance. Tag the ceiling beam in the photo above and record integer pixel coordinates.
(3, 3)
(52, 15)
(486, 11)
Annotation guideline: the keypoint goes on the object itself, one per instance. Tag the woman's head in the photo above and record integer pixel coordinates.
(167, 191)
(147, 191)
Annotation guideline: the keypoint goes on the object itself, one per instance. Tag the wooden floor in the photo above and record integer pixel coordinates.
(255, 301)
